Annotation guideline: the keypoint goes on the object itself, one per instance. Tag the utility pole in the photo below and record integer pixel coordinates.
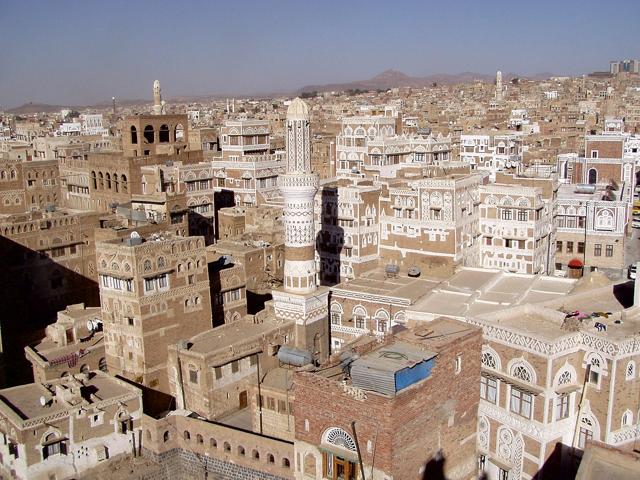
(355, 437)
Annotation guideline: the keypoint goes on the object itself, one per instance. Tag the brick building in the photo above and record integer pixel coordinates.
(405, 406)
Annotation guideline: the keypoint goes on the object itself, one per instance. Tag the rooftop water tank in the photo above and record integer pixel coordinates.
(294, 356)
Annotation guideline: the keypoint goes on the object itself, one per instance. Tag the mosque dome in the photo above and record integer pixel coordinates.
(298, 110)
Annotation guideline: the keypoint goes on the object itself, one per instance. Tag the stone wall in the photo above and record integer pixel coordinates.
(179, 464)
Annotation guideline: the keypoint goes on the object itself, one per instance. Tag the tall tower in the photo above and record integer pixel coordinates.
(301, 298)
(499, 85)
(298, 187)
(157, 98)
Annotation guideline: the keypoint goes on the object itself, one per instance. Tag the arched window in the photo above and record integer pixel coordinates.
(115, 182)
(213, 443)
(53, 444)
(605, 220)
(165, 436)
(564, 378)
(488, 360)
(108, 176)
(359, 317)
(179, 133)
(521, 372)
(148, 134)
(339, 438)
(241, 450)
(100, 180)
(226, 446)
(134, 135)
(336, 314)
(286, 463)
(382, 320)
(255, 454)
(593, 176)
(163, 136)
(123, 182)
(271, 458)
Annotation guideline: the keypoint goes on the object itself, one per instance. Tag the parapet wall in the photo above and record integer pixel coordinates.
(189, 447)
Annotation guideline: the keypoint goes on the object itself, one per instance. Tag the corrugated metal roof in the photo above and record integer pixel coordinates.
(377, 371)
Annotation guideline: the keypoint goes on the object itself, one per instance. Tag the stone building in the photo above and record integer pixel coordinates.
(247, 169)
(492, 153)
(347, 220)
(73, 344)
(591, 228)
(517, 227)
(432, 223)
(228, 284)
(372, 304)
(374, 146)
(154, 291)
(64, 427)
(272, 404)
(212, 373)
(558, 365)
(410, 398)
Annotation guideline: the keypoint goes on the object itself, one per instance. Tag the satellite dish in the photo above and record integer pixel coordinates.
(135, 234)
(90, 325)
(44, 400)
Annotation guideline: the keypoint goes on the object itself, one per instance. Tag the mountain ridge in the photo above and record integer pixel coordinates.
(394, 78)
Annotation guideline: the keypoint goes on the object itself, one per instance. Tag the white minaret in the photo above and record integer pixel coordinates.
(499, 85)
(301, 299)
(298, 187)
(158, 104)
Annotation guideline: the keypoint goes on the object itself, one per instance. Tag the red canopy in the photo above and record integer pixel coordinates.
(575, 263)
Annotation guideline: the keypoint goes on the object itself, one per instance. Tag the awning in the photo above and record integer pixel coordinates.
(575, 263)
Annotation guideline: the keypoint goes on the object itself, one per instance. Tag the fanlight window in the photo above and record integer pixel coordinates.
(522, 373)
(340, 438)
(565, 378)
(488, 360)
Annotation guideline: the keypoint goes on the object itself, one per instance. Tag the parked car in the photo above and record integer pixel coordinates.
(631, 271)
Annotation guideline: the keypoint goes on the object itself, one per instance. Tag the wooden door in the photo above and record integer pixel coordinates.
(242, 399)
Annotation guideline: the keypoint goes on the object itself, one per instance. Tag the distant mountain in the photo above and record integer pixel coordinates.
(35, 107)
(393, 78)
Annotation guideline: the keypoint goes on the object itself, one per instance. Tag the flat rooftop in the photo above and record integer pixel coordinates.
(224, 336)
(475, 291)
(24, 400)
(376, 282)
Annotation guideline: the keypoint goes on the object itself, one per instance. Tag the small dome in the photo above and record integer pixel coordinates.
(298, 110)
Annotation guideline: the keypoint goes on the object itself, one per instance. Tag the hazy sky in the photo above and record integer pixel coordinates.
(84, 51)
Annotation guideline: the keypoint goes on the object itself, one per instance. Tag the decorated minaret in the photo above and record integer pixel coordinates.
(499, 86)
(298, 187)
(300, 298)
(158, 104)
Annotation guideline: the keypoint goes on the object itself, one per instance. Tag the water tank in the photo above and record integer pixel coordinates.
(294, 356)
(414, 271)
(585, 188)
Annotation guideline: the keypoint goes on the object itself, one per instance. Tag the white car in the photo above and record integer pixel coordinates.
(631, 271)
